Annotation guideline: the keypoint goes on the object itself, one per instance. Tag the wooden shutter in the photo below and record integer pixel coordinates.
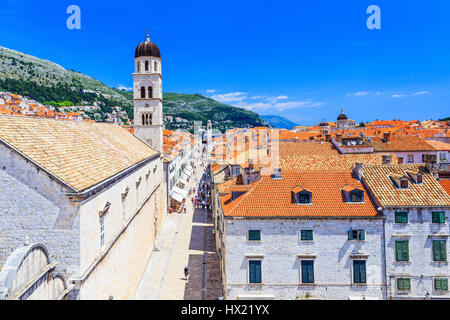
(258, 272)
(307, 271)
(439, 250)
(362, 235)
(350, 234)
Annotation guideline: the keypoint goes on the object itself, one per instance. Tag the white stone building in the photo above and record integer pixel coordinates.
(416, 209)
(91, 192)
(300, 235)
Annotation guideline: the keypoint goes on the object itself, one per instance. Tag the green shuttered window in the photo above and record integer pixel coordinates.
(254, 235)
(359, 271)
(404, 284)
(401, 217)
(441, 284)
(438, 217)
(439, 250)
(402, 250)
(254, 271)
(356, 235)
(307, 271)
(306, 235)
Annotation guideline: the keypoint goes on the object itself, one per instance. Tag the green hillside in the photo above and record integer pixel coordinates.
(51, 84)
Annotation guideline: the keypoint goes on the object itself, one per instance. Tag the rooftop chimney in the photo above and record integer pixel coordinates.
(359, 170)
(276, 173)
(387, 136)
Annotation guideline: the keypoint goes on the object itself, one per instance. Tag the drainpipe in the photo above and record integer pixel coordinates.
(380, 209)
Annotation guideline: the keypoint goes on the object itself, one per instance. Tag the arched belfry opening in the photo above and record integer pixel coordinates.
(150, 92)
(142, 92)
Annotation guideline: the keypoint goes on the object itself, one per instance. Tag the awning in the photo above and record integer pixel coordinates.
(188, 172)
(183, 181)
(184, 176)
(175, 189)
(189, 167)
(177, 197)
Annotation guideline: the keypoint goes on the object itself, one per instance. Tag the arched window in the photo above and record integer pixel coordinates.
(146, 118)
(142, 92)
(150, 92)
(138, 66)
(143, 119)
(146, 65)
(156, 66)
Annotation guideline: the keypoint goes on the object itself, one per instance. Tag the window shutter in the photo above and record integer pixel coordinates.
(362, 270)
(258, 272)
(442, 217)
(356, 278)
(350, 235)
(444, 284)
(398, 250)
(311, 272)
(251, 272)
(362, 235)
(405, 251)
(304, 273)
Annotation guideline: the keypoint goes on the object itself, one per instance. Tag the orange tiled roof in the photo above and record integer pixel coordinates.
(401, 143)
(78, 153)
(428, 193)
(273, 197)
(446, 185)
(439, 145)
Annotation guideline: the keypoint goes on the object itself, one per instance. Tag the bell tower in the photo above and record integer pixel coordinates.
(147, 91)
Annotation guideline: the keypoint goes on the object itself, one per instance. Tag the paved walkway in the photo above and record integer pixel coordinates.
(185, 240)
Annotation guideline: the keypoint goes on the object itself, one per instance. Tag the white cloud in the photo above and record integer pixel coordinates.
(291, 105)
(419, 93)
(122, 87)
(398, 95)
(279, 98)
(210, 91)
(358, 94)
(317, 104)
(230, 97)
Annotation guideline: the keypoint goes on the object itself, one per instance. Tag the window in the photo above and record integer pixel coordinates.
(307, 271)
(146, 118)
(419, 179)
(410, 158)
(359, 271)
(138, 66)
(438, 217)
(401, 217)
(404, 183)
(306, 235)
(102, 231)
(356, 196)
(155, 66)
(124, 210)
(441, 284)
(439, 250)
(254, 271)
(402, 250)
(146, 65)
(142, 92)
(356, 234)
(304, 197)
(150, 92)
(404, 284)
(254, 235)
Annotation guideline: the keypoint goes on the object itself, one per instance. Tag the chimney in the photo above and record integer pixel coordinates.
(338, 137)
(251, 166)
(276, 173)
(387, 136)
(359, 170)
(387, 159)
(328, 137)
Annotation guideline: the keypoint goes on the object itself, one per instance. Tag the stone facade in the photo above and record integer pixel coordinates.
(419, 231)
(281, 251)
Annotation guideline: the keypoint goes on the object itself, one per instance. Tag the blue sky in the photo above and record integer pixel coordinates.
(303, 60)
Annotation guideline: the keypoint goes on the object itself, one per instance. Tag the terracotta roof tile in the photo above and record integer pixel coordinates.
(273, 197)
(81, 154)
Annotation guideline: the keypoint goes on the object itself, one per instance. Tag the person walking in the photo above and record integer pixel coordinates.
(186, 272)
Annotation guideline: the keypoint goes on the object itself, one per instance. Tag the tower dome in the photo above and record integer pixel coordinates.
(147, 49)
(342, 116)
